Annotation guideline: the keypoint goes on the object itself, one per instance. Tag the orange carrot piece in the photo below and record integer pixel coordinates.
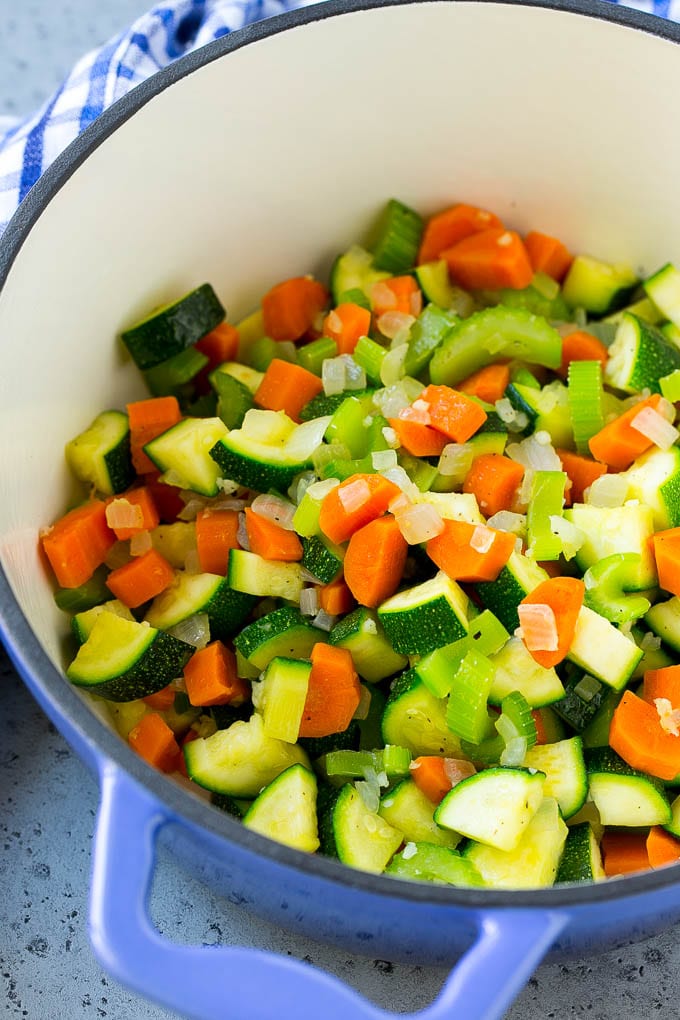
(489, 260)
(335, 598)
(211, 679)
(564, 595)
(581, 346)
(78, 543)
(493, 479)
(154, 741)
(618, 443)
(547, 255)
(345, 324)
(453, 552)
(429, 774)
(356, 501)
(637, 736)
(666, 545)
(290, 308)
(541, 732)
(270, 540)
(374, 561)
(662, 683)
(418, 439)
(450, 226)
(216, 532)
(287, 387)
(489, 383)
(220, 345)
(662, 847)
(624, 853)
(398, 294)
(162, 700)
(147, 419)
(142, 498)
(141, 579)
(581, 471)
(453, 413)
(333, 694)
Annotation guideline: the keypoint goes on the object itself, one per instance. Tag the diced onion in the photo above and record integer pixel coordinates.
(396, 326)
(505, 410)
(668, 716)
(381, 460)
(383, 296)
(334, 322)
(121, 513)
(309, 601)
(300, 484)
(390, 437)
(195, 630)
(607, 490)
(140, 543)
(587, 687)
(324, 621)
(514, 752)
(535, 453)
(409, 851)
(399, 503)
(655, 427)
(392, 366)
(481, 539)
(242, 533)
(354, 495)
(650, 642)
(571, 537)
(192, 563)
(525, 487)
(319, 490)
(355, 376)
(457, 769)
(539, 627)
(226, 485)
(275, 509)
(506, 520)
(401, 479)
(364, 705)
(456, 460)
(391, 399)
(419, 522)
(333, 376)
(666, 409)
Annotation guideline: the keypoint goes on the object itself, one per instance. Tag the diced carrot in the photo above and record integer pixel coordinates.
(141, 579)
(493, 479)
(662, 683)
(398, 294)
(290, 308)
(624, 853)
(666, 545)
(142, 499)
(548, 255)
(637, 736)
(429, 774)
(581, 471)
(564, 595)
(216, 532)
(148, 419)
(218, 346)
(489, 383)
(356, 501)
(581, 346)
(335, 598)
(420, 440)
(269, 540)
(167, 498)
(374, 561)
(450, 226)
(541, 732)
(333, 694)
(452, 413)
(489, 260)
(78, 543)
(345, 324)
(211, 678)
(456, 551)
(662, 847)
(154, 741)
(618, 443)
(162, 700)
(287, 387)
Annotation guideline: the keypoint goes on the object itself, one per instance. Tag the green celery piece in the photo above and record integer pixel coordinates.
(466, 712)
(524, 377)
(348, 426)
(233, 399)
(262, 352)
(369, 355)
(487, 634)
(670, 385)
(534, 299)
(313, 355)
(427, 333)
(515, 707)
(392, 760)
(607, 585)
(491, 334)
(438, 668)
(354, 296)
(398, 238)
(166, 378)
(585, 396)
(546, 500)
(422, 474)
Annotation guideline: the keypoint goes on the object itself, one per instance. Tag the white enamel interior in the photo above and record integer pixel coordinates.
(267, 162)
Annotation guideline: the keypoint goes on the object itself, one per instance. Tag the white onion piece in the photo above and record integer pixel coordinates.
(402, 480)
(409, 851)
(390, 437)
(242, 533)
(309, 601)
(334, 322)
(319, 490)
(355, 377)
(121, 513)
(506, 520)
(539, 627)
(195, 630)
(587, 687)
(418, 522)
(514, 752)
(364, 705)
(607, 490)
(354, 495)
(650, 642)
(666, 409)
(381, 460)
(324, 621)
(535, 453)
(140, 543)
(396, 326)
(333, 376)
(668, 716)
(457, 769)
(571, 537)
(655, 427)
(191, 509)
(274, 508)
(481, 539)
(227, 486)
(391, 400)
(524, 490)
(455, 460)
(504, 409)
(192, 563)
(392, 367)
(383, 296)
(226, 503)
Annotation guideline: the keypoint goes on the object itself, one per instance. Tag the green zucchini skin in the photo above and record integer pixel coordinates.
(163, 660)
(174, 327)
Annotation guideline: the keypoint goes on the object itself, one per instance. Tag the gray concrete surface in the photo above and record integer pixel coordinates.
(48, 801)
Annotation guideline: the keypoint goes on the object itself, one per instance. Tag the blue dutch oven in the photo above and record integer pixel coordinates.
(255, 158)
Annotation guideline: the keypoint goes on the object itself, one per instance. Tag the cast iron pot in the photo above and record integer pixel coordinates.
(256, 158)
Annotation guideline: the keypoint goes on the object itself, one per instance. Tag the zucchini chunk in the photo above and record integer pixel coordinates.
(174, 327)
(100, 456)
(286, 810)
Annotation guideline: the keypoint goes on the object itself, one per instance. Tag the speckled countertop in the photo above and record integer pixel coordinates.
(48, 801)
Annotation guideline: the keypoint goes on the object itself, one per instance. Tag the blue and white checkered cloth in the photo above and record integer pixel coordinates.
(169, 30)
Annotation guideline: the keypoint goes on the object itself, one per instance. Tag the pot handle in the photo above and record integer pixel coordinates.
(211, 982)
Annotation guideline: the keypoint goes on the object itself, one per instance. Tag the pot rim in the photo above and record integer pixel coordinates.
(24, 646)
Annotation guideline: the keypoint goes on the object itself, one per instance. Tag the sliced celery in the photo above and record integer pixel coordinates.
(466, 713)
(398, 239)
(585, 401)
(167, 377)
(546, 500)
(427, 332)
(312, 356)
(607, 583)
(393, 760)
(370, 356)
